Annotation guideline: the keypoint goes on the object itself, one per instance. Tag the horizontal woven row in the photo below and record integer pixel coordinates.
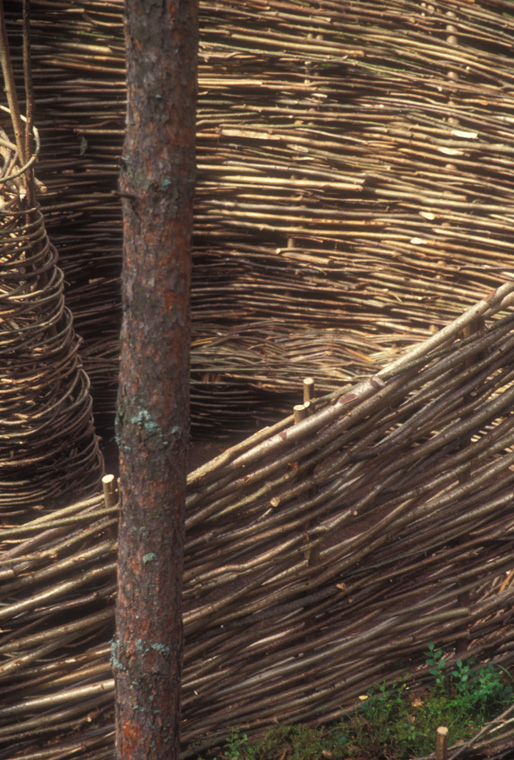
(321, 557)
(354, 178)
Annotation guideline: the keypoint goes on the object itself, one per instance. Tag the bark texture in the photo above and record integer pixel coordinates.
(157, 180)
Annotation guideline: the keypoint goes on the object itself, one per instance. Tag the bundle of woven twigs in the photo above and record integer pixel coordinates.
(354, 184)
(321, 556)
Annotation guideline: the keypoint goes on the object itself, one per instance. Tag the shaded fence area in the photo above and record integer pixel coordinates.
(48, 447)
(322, 555)
(355, 169)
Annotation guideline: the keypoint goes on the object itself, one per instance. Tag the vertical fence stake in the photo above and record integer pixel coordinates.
(441, 743)
(110, 489)
(308, 389)
(301, 411)
(111, 497)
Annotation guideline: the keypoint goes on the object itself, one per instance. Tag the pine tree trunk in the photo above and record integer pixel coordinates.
(157, 182)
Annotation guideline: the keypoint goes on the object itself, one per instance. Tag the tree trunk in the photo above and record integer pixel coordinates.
(157, 183)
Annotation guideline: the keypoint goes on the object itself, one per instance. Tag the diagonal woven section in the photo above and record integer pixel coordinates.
(321, 557)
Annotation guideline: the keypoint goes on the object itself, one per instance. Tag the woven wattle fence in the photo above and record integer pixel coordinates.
(354, 197)
(355, 166)
(322, 556)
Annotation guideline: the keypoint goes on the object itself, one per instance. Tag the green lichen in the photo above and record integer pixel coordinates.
(114, 659)
(150, 557)
(161, 648)
(145, 647)
(143, 419)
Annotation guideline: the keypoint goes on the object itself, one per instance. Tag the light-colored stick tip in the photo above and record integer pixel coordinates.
(308, 389)
(300, 412)
(441, 746)
(110, 490)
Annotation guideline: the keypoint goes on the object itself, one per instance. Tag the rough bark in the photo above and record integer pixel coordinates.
(157, 182)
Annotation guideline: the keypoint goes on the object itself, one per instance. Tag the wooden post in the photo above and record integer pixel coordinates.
(308, 389)
(301, 411)
(110, 489)
(111, 498)
(441, 744)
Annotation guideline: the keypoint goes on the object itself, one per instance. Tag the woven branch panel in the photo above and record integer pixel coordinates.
(48, 447)
(321, 557)
(355, 166)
